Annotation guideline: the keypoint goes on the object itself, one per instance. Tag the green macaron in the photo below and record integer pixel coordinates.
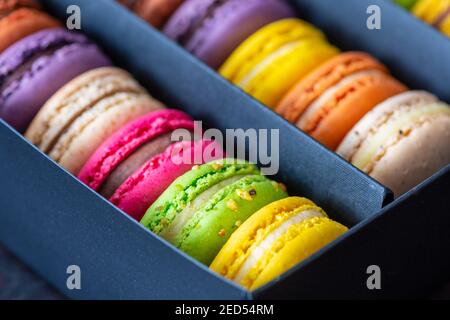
(201, 209)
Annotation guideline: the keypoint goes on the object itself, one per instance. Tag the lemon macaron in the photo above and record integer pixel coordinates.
(434, 12)
(276, 57)
(273, 240)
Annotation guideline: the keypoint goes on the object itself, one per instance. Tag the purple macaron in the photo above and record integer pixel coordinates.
(33, 69)
(212, 29)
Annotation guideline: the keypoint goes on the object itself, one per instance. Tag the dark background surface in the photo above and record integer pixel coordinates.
(17, 282)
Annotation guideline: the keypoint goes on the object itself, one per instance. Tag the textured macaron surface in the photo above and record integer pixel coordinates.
(85, 112)
(18, 21)
(331, 72)
(34, 68)
(333, 98)
(127, 140)
(402, 141)
(247, 257)
(277, 56)
(188, 187)
(207, 231)
(140, 190)
(155, 12)
(212, 29)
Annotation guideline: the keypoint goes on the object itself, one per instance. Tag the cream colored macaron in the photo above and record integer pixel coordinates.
(402, 141)
(86, 111)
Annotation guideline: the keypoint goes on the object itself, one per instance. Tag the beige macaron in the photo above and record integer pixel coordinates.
(402, 141)
(85, 112)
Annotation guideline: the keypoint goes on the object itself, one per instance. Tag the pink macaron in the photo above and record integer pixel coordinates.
(144, 187)
(136, 164)
(130, 147)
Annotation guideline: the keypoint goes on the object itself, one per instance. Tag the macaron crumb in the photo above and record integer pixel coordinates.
(231, 204)
(222, 233)
(238, 223)
(217, 166)
(279, 185)
(195, 167)
(245, 195)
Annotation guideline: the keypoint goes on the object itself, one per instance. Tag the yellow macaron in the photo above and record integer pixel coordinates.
(273, 240)
(434, 12)
(276, 57)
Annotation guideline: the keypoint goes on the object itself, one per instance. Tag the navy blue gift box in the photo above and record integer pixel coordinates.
(51, 220)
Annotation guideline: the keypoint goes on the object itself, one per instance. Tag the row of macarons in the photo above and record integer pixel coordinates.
(102, 126)
(434, 12)
(347, 101)
(105, 128)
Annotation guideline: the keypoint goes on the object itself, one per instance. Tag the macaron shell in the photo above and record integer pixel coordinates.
(128, 166)
(77, 96)
(378, 116)
(23, 98)
(144, 187)
(415, 158)
(21, 23)
(189, 186)
(430, 10)
(271, 84)
(209, 229)
(262, 43)
(305, 92)
(308, 238)
(224, 25)
(155, 12)
(127, 140)
(331, 123)
(88, 131)
(235, 251)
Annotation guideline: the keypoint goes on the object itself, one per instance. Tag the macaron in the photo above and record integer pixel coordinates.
(78, 118)
(202, 208)
(333, 98)
(212, 29)
(276, 57)
(155, 12)
(273, 240)
(407, 4)
(141, 189)
(434, 12)
(402, 141)
(20, 18)
(34, 68)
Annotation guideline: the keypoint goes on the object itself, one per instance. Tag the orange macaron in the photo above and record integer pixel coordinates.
(20, 18)
(334, 97)
(155, 12)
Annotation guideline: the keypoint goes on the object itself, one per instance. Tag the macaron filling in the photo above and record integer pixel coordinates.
(257, 251)
(328, 94)
(133, 162)
(396, 127)
(196, 204)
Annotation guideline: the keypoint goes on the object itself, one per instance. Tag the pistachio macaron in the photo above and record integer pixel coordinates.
(274, 239)
(277, 56)
(202, 208)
